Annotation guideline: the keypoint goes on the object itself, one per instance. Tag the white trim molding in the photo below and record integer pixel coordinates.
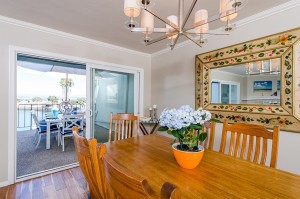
(261, 15)
(69, 35)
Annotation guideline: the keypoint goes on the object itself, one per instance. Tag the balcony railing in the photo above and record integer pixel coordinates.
(24, 119)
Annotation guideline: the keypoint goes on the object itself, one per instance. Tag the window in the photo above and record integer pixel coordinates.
(225, 92)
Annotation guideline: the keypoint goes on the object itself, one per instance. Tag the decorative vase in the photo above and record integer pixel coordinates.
(188, 159)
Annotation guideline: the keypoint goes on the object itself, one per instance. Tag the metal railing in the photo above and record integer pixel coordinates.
(24, 119)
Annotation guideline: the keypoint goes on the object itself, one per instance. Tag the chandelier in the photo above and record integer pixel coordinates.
(268, 67)
(176, 26)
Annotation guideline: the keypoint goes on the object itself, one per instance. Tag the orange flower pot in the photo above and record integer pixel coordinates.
(186, 159)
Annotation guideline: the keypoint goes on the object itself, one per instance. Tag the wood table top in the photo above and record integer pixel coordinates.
(217, 176)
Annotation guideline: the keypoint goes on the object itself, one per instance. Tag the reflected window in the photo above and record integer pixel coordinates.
(224, 92)
(112, 93)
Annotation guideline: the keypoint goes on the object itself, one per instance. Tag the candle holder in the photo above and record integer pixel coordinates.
(151, 113)
(154, 113)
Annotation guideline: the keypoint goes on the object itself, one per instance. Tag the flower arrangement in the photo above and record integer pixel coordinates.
(186, 125)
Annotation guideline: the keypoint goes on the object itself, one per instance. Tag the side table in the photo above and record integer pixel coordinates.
(154, 124)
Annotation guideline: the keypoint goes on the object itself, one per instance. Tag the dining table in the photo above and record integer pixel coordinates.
(217, 176)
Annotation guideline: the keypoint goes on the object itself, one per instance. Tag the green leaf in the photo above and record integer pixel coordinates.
(202, 137)
(163, 128)
(215, 120)
(195, 127)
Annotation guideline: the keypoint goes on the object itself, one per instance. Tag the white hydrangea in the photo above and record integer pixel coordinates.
(183, 117)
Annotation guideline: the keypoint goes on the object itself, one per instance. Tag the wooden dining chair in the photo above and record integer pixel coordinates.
(250, 142)
(86, 151)
(122, 183)
(123, 126)
(209, 141)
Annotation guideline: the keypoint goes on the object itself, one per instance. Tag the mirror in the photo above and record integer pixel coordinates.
(257, 81)
(248, 83)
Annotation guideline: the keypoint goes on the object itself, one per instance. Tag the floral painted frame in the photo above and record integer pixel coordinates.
(284, 45)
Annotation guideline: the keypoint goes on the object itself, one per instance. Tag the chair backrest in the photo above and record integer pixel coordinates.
(250, 142)
(35, 119)
(122, 183)
(124, 126)
(70, 121)
(209, 141)
(86, 151)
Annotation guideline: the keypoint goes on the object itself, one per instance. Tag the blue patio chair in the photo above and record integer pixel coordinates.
(41, 128)
(70, 121)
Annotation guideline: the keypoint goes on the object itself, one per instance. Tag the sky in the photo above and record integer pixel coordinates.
(32, 83)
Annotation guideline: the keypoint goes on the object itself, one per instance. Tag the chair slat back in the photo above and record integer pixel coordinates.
(124, 126)
(86, 151)
(249, 141)
(72, 120)
(122, 183)
(209, 141)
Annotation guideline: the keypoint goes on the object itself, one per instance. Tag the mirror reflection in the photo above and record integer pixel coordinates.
(250, 83)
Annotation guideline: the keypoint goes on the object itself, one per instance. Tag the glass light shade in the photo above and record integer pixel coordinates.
(227, 11)
(147, 21)
(275, 64)
(174, 20)
(131, 8)
(201, 18)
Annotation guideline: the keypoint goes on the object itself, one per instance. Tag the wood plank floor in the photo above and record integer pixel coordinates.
(61, 185)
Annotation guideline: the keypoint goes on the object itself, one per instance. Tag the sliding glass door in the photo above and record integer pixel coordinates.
(110, 91)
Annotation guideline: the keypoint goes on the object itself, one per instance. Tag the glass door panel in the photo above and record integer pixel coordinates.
(110, 91)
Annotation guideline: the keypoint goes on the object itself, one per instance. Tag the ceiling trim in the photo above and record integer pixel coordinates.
(258, 16)
(69, 35)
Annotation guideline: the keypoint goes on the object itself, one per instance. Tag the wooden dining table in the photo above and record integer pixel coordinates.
(217, 176)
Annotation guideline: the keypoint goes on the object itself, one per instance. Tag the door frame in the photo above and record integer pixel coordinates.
(12, 95)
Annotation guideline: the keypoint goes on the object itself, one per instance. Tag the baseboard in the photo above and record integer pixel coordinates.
(4, 183)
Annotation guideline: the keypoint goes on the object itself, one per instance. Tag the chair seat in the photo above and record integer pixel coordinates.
(68, 131)
(43, 127)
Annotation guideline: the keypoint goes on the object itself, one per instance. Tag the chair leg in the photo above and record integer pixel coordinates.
(63, 143)
(35, 136)
(38, 142)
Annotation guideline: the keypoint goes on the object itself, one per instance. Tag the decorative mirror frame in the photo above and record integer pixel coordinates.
(284, 45)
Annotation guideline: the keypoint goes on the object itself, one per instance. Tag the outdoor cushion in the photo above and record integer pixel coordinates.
(43, 125)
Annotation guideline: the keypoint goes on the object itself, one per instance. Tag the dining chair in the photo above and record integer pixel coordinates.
(250, 142)
(123, 183)
(41, 128)
(209, 141)
(69, 121)
(92, 169)
(123, 126)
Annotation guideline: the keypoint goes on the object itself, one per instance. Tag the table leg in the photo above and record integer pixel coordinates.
(48, 136)
(144, 130)
(154, 128)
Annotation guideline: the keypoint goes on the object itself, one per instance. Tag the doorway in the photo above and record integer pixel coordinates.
(42, 85)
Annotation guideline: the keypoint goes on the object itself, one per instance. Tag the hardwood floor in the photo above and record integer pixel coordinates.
(61, 185)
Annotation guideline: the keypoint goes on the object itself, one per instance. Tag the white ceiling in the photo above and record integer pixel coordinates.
(103, 20)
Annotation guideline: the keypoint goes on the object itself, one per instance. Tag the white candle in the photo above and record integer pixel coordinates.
(154, 106)
(150, 109)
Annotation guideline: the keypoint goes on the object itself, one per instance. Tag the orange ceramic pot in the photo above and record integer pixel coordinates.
(187, 160)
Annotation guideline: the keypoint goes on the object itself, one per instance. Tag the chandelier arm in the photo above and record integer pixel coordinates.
(207, 33)
(157, 40)
(186, 35)
(175, 41)
(188, 14)
(212, 20)
(170, 24)
(155, 30)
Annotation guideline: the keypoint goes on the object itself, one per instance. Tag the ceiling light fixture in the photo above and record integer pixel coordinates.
(176, 26)
(268, 67)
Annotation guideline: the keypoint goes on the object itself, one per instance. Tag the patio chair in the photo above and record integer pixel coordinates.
(41, 128)
(69, 121)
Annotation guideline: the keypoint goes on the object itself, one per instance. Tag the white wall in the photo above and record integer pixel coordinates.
(173, 75)
(42, 40)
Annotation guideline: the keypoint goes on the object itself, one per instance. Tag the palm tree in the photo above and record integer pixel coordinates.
(66, 84)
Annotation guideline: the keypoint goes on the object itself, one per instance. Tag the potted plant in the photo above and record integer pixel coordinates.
(187, 126)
